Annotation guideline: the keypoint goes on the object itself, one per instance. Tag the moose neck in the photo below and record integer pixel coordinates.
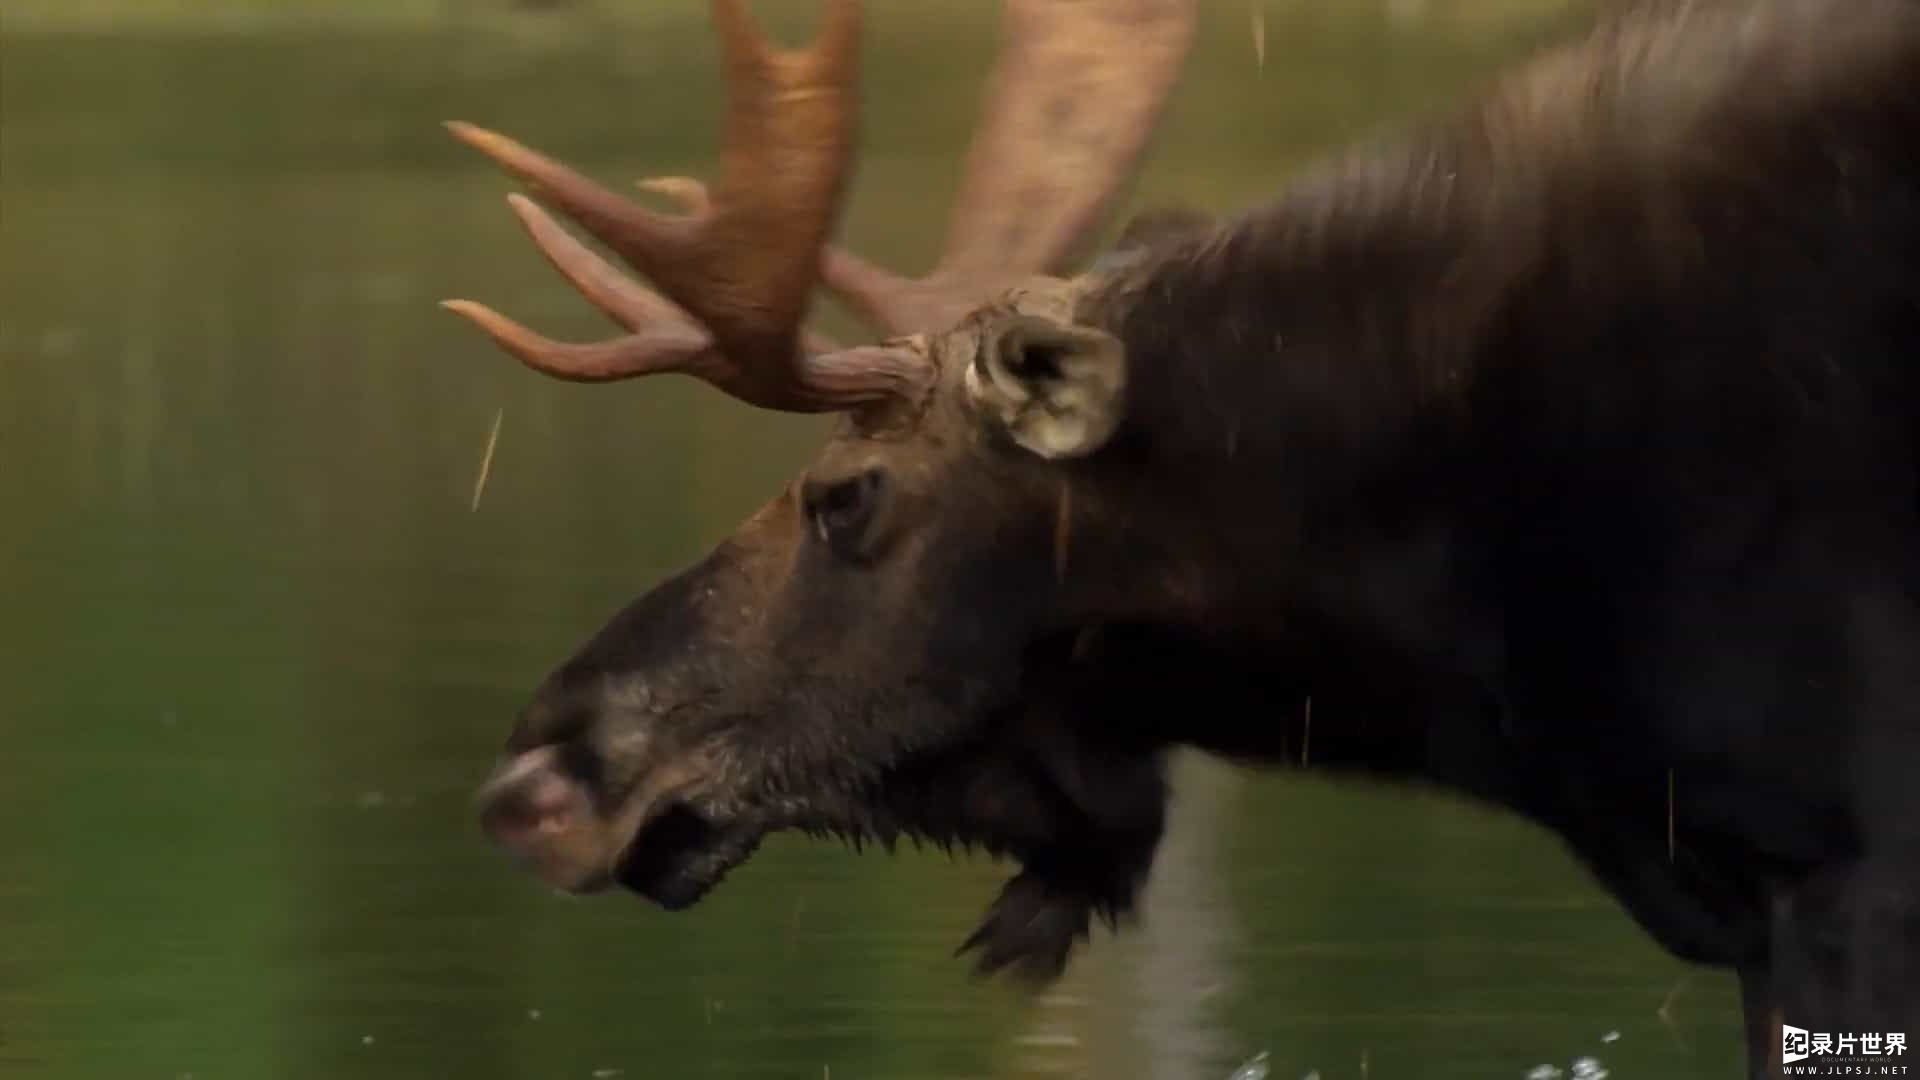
(1298, 423)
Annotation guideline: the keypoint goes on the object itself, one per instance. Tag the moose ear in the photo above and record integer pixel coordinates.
(1056, 389)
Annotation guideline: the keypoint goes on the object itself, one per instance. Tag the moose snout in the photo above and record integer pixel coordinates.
(533, 808)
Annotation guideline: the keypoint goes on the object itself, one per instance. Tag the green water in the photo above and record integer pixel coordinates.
(256, 646)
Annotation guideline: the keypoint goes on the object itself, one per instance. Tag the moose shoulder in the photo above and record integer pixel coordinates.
(1565, 452)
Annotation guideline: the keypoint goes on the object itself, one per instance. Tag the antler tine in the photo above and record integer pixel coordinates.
(665, 339)
(846, 376)
(671, 348)
(621, 298)
(1071, 101)
(784, 164)
(743, 263)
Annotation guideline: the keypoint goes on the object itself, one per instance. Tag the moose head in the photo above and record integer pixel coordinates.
(884, 649)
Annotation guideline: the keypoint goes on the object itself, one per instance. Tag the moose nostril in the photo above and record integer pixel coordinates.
(530, 797)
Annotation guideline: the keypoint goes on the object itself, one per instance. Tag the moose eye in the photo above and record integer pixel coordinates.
(841, 509)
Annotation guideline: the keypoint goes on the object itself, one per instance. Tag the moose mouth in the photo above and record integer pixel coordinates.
(1076, 862)
(680, 855)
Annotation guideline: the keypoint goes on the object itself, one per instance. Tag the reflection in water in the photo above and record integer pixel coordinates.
(259, 644)
(1146, 1004)
(1184, 961)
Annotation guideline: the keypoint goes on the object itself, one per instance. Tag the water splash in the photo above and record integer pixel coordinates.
(1254, 1068)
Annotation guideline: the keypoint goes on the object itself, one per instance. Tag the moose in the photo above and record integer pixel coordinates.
(1562, 450)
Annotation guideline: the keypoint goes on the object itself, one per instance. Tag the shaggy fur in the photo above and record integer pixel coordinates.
(1585, 428)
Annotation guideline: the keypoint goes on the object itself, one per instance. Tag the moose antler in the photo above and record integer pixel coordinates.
(1077, 89)
(1073, 98)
